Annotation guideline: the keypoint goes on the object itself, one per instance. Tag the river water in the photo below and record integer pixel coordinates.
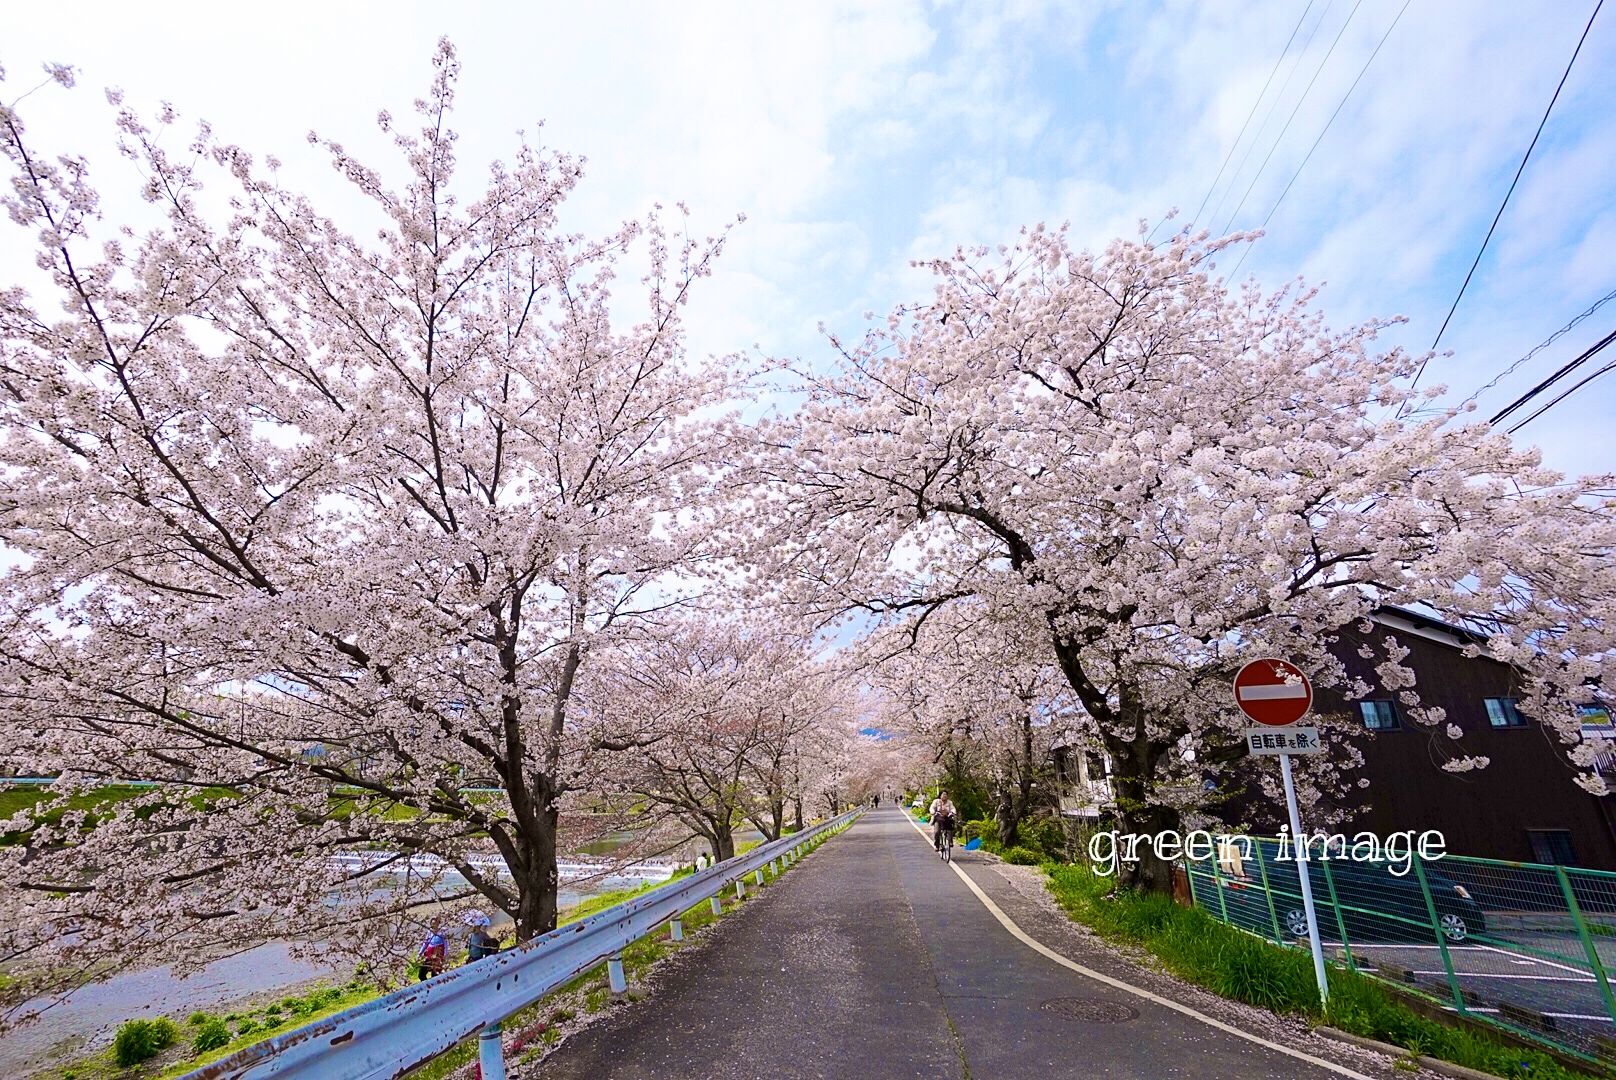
(88, 1020)
(91, 1016)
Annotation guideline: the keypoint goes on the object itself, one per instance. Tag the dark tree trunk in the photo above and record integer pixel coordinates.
(1134, 755)
(1133, 781)
(537, 911)
(796, 813)
(1015, 789)
(776, 822)
(723, 838)
(1009, 821)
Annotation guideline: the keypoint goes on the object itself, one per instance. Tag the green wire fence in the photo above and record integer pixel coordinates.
(1523, 946)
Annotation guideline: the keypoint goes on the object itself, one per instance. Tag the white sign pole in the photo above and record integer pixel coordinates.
(1300, 847)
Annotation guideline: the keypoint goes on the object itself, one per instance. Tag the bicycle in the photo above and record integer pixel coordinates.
(944, 841)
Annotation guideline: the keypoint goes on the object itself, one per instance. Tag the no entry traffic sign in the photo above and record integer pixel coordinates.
(1273, 692)
(1276, 694)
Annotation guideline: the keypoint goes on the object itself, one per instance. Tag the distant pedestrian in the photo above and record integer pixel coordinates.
(481, 943)
(433, 955)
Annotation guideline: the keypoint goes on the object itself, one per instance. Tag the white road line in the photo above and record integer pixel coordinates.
(1501, 975)
(1356, 948)
(1360, 946)
(1537, 960)
(1117, 984)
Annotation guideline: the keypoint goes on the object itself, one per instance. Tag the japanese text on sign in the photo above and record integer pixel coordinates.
(1301, 740)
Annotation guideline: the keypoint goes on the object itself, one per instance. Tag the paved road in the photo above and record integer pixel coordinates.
(873, 960)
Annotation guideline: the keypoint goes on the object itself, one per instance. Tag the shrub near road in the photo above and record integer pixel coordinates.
(1234, 964)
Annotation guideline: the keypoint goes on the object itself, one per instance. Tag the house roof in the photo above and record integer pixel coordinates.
(1421, 624)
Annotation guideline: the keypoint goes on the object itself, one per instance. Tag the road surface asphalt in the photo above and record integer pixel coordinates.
(873, 960)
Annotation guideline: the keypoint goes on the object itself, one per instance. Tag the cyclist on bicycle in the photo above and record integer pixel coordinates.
(942, 819)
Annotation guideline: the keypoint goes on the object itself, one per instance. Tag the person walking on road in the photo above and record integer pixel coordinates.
(942, 820)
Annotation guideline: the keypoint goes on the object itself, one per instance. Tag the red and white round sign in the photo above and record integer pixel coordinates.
(1273, 692)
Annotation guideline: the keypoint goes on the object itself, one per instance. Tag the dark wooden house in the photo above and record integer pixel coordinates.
(1523, 807)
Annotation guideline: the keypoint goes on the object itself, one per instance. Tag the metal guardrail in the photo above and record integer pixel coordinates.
(392, 1034)
(1526, 947)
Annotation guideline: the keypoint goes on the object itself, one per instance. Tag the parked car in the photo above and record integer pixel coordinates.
(1376, 904)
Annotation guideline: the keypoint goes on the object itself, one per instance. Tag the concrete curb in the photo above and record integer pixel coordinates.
(1436, 1065)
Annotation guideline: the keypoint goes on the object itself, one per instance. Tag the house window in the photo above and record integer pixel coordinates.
(1061, 755)
(1501, 712)
(1379, 715)
(1552, 846)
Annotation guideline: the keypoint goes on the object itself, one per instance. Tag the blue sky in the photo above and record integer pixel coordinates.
(858, 137)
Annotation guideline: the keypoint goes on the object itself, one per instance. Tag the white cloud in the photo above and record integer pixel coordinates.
(856, 137)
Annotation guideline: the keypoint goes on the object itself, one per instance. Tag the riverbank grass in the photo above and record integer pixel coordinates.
(183, 1046)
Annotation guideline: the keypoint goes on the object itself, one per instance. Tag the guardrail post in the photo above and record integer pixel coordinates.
(718, 906)
(740, 889)
(614, 972)
(1441, 938)
(760, 877)
(1340, 919)
(1268, 893)
(676, 930)
(1587, 941)
(490, 1053)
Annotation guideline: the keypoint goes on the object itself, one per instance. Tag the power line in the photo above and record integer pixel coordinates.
(1269, 115)
(1608, 367)
(1593, 350)
(1341, 105)
(1278, 60)
(1297, 108)
(1552, 338)
(1524, 159)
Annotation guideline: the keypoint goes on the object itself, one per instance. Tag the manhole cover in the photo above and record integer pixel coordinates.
(1091, 1010)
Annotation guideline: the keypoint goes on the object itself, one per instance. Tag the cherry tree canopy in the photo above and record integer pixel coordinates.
(745, 724)
(1164, 478)
(319, 527)
(970, 687)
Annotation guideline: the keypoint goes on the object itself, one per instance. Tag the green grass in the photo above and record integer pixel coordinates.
(277, 1018)
(263, 1023)
(25, 797)
(1235, 964)
(611, 899)
(601, 902)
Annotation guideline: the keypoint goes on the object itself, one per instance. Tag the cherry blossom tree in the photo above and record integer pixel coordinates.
(735, 710)
(1158, 478)
(982, 699)
(321, 533)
